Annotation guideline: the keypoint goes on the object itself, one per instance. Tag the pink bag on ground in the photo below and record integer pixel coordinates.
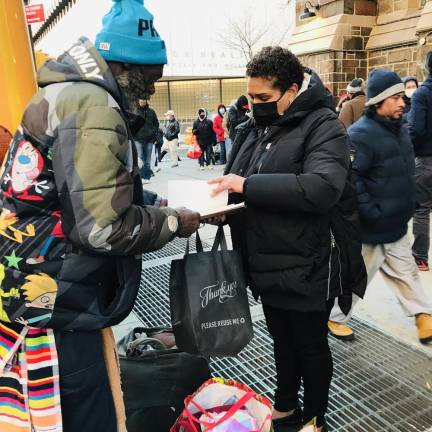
(221, 405)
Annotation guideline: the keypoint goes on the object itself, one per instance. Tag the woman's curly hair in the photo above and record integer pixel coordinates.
(276, 64)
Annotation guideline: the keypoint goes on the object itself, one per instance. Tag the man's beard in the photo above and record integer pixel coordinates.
(134, 86)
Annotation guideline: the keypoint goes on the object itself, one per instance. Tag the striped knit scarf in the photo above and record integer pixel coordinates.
(29, 380)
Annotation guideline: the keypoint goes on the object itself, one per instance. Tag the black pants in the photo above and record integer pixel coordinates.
(86, 399)
(223, 158)
(158, 153)
(207, 156)
(301, 352)
(422, 214)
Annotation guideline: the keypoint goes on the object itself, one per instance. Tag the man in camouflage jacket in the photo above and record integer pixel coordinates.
(74, 218)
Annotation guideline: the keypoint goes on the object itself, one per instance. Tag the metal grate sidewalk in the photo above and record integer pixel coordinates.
(379, 384)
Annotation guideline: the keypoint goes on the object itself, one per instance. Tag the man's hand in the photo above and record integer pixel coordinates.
(189, 222)
(231, 182)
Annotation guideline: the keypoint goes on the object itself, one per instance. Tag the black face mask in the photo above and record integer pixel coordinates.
(266, 113)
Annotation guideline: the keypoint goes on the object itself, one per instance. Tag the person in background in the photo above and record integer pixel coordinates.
(225, 121)
(290, 165)
(353, 108)
(411, 85)
(206, 138)
(383, 168)
(74, 176)
(237, 114)
(342, 99)
(158, 145)
(220, 132)
(420, 130)
(171, 134)
(145, 137)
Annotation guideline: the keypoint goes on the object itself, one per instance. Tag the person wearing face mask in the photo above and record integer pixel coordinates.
(237, 114)
(220, 132)
(290, 165)
(411, 85)
(206, 138)
(76, 144)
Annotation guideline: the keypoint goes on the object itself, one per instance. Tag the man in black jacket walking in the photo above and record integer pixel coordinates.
(420, 129)
(206, 137)
(145, 138)
(237, 115)
(383, 168)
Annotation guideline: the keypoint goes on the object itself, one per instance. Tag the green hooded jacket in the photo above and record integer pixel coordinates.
(74, 216)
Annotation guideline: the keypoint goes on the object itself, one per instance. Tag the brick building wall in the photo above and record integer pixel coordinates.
(402, 60)
(337, 68)
(396, 35)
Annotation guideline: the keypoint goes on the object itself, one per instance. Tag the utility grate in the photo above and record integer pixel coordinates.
(379, 384)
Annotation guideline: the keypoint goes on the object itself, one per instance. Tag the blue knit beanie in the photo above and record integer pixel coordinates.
(128, 35)
(383, 84)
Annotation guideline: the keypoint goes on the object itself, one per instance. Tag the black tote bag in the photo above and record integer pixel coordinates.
(210, 312)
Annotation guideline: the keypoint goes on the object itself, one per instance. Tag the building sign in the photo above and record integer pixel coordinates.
(210, 60)
(35, 13)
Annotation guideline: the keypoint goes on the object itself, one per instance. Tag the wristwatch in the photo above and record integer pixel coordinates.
(173, 223)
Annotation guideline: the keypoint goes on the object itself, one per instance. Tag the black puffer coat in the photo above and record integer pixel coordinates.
(297, 183)
(203, 130)
(384, 177)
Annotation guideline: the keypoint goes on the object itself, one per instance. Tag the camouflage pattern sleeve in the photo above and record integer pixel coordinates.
(92, 160)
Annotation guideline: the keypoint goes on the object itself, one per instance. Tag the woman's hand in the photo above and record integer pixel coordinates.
(215, 220)
(231, 182)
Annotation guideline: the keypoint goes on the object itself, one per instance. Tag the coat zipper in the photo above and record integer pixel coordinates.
(333, 245)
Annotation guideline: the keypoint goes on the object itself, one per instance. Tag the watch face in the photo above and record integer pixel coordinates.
(172, 223)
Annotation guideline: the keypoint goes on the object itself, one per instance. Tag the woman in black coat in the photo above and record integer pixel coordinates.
(290, 164)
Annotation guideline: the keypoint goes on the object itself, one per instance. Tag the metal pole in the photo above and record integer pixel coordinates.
(17, 72)
(30, 36)
(220, 91)
(169, 96)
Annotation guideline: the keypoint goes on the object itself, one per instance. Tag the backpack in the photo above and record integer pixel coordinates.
(156, 379)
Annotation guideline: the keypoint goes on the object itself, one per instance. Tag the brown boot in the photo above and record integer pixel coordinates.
(424, 327)
(341, 331)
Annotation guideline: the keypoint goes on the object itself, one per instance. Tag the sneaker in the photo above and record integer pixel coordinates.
(145, 181)
(422, 265)
(294, 419)
(340, 331)
(202, 168)
(174, 165)
(158, 169)
(312, 427)
(424, 328)
(210, 167)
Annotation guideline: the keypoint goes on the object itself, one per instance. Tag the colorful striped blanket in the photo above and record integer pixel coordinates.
(29, 380)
